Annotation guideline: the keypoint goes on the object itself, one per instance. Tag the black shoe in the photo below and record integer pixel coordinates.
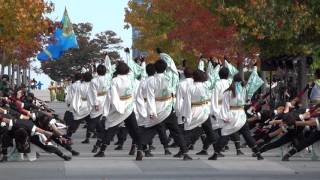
(202, 153)
(239, 153)
(220, 154)
(99, 154)
(118, 148)
(286, 158)
(167, 152)
(132, 150)
(4, 159)
(148, 153)
(186, 157)
(191, 147)
(75, 153)
(66, 158)
(95, 149)
(213, 157)
(259, 157)
(152, 148)
(139, 156)
(86, 141)
(178, 155)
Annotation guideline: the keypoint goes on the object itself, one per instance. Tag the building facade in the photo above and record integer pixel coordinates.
(135, 35)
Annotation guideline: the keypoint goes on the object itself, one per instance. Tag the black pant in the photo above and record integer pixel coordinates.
(312, 138)
(92, 126)
(122, 135)
(133, 129)
(171, 122)
(48, 148)
(74, 126)
(66, 146)
(244, 131)
(212, 136)
(286, 138)
(149, 133)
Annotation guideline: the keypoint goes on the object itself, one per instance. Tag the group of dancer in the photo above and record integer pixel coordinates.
(212, 102)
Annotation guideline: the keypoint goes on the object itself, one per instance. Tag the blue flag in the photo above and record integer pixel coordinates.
(65, 39)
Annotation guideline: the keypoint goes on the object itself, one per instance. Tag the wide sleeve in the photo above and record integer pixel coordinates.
(93, 93)
(135, 68)
(171, 72)
(76, 99)
(110, 68)
(254, 83)
(140, 101)
(186, 109)
(215, 102)
(179, 100)
(151, 99)
(225, 109)
(213, 76)
(201, 65)
(68, 95)
(115, 99)
(232, 70)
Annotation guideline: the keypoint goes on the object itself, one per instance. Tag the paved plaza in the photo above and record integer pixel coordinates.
(119, 165)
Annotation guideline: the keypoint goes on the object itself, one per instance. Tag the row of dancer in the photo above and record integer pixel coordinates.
(149, 99)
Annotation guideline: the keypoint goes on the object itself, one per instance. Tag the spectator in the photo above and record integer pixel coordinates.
(53, 91)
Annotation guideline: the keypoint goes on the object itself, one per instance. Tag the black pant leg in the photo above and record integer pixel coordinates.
(74, 126)
(109, 134)
(172, 124)
(312, 138)
(48, 148)
(211, 135)
(91, 125)
(245, 132)
(122, 135)
(133, 130)
(161, 130)
(147, 134)
(281, 141)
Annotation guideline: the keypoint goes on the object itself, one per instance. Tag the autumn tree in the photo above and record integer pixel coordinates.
(154, 27)
(23, 26)
(90, 50)
(185, 27)
(277, 27)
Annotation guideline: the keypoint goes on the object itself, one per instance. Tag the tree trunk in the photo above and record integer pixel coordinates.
(18, 75)
(2, 69)
(9, 73)
(302, 78)
(13, 79)
(24, 75)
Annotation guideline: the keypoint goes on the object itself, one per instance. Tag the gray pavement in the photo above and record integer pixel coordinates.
(119, 165)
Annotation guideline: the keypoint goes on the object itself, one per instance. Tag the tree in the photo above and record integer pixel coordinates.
(184, 29)
(287, 27)
(22, 27)
(154, 27)
(201, 30)
(91, 50)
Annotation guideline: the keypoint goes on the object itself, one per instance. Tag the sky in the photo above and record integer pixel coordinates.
(102, 14)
